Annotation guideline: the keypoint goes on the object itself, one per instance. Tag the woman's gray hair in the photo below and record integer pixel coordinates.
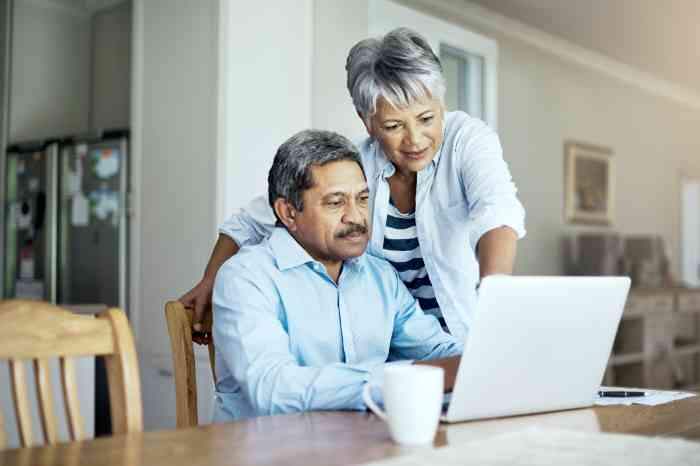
(401, 67)
(291, 175)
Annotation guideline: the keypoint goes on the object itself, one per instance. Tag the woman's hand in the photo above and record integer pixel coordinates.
(199, 299)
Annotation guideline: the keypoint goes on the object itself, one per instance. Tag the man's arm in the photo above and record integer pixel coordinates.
(255, 348)
(417, 335)
(496, 250)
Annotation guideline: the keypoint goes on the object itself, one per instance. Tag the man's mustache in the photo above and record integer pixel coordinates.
(354, 228)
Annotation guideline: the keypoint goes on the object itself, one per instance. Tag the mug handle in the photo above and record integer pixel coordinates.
(367, 398)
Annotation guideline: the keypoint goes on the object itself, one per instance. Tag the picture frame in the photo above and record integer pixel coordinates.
(589, 190)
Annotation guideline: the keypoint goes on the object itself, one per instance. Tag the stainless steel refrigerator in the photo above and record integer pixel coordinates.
(66, 220)
(66, 229)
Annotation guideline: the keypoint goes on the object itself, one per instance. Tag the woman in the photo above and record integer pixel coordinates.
(444, 210)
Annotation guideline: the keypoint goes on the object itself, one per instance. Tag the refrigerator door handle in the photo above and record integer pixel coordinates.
(51, 256)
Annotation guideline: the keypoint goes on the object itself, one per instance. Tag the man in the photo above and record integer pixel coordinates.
(303, 320)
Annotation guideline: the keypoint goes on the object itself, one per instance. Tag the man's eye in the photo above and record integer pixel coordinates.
(391, 127)
(335, 203)
(428, 118)
(364, 198)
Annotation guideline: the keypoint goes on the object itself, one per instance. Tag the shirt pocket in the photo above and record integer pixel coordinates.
(451, 236)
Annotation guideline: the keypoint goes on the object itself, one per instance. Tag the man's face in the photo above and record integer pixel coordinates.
(333, 224)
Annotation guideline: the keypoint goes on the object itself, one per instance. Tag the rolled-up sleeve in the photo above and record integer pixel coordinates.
(251, 224)
(488, 185)
(255, 347)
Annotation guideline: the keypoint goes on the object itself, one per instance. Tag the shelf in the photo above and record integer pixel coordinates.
(686, 350)
(619, 359)
(656, 320)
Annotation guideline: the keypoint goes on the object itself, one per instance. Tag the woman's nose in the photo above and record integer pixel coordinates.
(413, 137)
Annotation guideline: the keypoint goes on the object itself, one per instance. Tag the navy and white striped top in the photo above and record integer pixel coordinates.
(402, 250)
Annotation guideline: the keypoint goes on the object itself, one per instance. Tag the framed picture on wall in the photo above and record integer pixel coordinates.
(589, 189)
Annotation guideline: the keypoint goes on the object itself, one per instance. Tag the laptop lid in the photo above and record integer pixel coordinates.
(537, 344)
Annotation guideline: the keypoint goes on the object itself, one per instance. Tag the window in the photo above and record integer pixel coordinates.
(464, 73)
(469, 60)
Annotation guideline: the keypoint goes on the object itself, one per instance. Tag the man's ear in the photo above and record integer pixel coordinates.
(286, 213)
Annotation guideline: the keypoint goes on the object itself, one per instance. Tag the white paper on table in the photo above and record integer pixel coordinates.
(652, 397)
(540, 447)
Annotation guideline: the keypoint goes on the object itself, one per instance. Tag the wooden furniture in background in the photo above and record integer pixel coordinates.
(658, 341)
(179, 322)
(38, 331)
(339, 438)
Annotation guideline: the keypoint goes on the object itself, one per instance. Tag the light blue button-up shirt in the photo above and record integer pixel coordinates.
(289, 339)
(465, 192)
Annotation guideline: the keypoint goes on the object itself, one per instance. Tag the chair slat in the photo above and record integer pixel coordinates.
(180, 330)
(44, 393)
(179, 320)
(123, 375)
(19, 396)
(70, 396)
(212, 358)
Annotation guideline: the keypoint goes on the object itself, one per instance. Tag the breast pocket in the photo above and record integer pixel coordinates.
(451, 238)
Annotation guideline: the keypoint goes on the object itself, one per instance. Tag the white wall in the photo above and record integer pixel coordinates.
(174, 156)
(338, 25)
(50, 79)
(267, 88)
(111, 67)
(543, 101)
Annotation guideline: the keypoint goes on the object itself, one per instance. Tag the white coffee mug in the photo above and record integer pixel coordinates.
(413, 401)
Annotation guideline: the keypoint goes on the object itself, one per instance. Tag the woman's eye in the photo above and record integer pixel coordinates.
(428, 118)
(391, 127)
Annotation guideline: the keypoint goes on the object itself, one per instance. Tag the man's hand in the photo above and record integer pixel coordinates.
(199, 299)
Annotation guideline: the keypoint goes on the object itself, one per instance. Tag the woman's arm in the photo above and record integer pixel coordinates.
(250, 225)
(199, 297)
(496, 250)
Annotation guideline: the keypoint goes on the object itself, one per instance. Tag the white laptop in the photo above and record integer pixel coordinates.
(536, 344)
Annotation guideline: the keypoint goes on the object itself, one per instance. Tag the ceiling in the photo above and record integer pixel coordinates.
(656, 36)
(85, 6)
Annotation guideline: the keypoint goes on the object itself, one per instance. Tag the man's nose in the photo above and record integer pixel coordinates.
(354, 214)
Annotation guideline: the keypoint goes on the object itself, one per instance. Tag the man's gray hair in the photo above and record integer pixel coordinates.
(401, 67)
(291, 175)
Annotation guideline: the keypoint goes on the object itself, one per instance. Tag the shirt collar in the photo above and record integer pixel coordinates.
(289, 254)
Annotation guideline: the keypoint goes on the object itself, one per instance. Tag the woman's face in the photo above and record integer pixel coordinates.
(410, 136)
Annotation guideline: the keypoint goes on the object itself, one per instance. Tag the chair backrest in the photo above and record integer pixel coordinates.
(37, 331)
(179, 321)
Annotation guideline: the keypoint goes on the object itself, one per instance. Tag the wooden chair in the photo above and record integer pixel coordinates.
(37, 331)
(179, 322)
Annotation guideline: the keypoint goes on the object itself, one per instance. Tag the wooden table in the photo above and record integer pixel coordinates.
(329, 438)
